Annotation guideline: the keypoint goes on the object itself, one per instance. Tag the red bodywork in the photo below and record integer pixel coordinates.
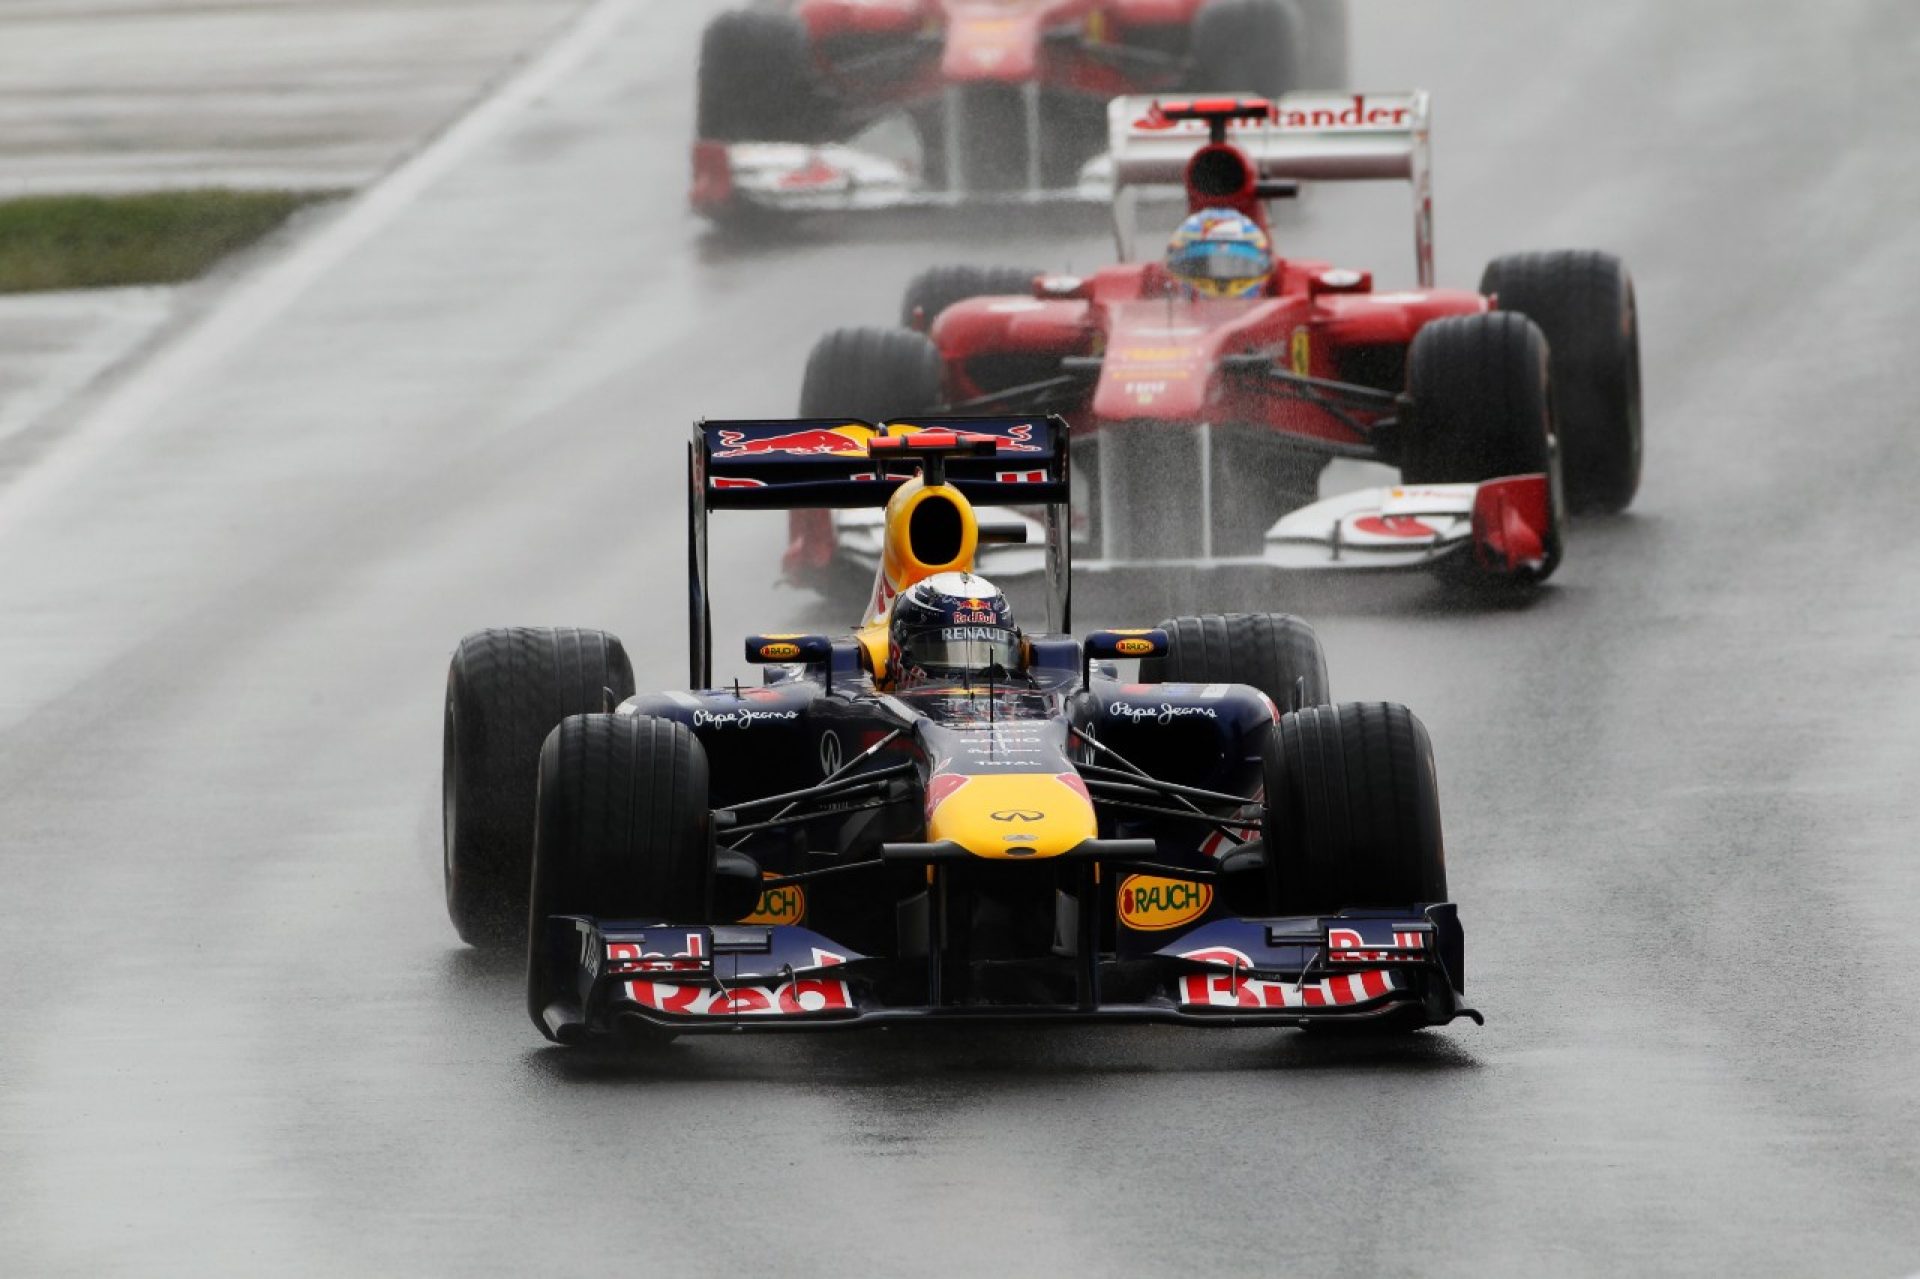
(961, 42)
(1164, 357)
(1166, 365)
(1177, 396)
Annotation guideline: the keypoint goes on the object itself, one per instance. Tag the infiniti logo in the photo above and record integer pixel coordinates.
(1018, 815)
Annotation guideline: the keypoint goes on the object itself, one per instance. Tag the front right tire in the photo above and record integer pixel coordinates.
(872, 373)
(624, 832)
(939, 287)
(756, 81)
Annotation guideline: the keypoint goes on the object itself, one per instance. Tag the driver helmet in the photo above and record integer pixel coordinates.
(1220, 253)
(952, 626)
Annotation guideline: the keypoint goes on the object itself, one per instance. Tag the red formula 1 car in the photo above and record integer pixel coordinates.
(1201, 427)
(1004, 99)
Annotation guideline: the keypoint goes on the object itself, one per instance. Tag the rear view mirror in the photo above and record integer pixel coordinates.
(763, 649)
(1104, 646)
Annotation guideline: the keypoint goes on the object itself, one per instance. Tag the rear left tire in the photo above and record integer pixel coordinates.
(1246, 46)
(1584, 304)
(1276, 653)
(1323, 44)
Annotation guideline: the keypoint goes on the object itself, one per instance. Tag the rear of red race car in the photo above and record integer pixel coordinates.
(1005, 99)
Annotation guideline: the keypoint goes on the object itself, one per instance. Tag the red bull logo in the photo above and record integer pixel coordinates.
(976, 612)
(1015, 437)
(838, 441)
(851, 440)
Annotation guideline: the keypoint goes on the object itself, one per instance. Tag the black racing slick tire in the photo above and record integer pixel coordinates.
(871, 373)
(1276, 653)
(1481, 401)
(623, 832)
(506, 689)
(1323, 44)
(1246, 46)
(756, 81)
(1352, 811)
(1584, 303)
(937, 288)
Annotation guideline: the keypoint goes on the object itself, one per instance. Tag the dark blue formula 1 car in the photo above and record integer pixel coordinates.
(938, 816)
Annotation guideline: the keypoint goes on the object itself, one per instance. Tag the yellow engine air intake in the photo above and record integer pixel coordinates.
(929, 530)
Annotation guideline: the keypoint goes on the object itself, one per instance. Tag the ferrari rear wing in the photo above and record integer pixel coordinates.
(827, 463)
(1296, 137)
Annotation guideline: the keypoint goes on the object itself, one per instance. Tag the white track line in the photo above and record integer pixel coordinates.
(255, 301)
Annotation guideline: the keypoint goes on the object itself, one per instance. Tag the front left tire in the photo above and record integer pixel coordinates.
(1352, 811)
(1481, 409)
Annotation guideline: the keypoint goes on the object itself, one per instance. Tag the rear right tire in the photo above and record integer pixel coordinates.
(1353, 811)
(1276, 653)
(506, 689)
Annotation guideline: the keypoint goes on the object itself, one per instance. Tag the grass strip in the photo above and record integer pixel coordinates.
(161, 237)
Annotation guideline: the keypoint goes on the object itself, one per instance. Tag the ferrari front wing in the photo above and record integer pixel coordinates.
(731, 179)
(1505, 528)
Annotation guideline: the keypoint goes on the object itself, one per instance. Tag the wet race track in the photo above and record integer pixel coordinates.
(240, 1035)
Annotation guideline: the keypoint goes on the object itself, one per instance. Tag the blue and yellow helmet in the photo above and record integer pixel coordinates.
(952, 626)
(1220, 253)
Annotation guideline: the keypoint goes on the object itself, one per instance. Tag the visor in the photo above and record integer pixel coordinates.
(1221, 262)
(962, 650)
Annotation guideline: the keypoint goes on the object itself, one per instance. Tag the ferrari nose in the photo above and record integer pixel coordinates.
(985, 46)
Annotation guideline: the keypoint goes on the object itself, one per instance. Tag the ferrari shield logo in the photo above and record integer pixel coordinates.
(1302, 352)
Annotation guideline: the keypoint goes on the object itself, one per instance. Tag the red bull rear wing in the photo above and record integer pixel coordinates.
(829, 462)
(826, 463)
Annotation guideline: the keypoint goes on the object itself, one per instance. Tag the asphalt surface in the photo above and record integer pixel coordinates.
(239, 1035)
(100, 95)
